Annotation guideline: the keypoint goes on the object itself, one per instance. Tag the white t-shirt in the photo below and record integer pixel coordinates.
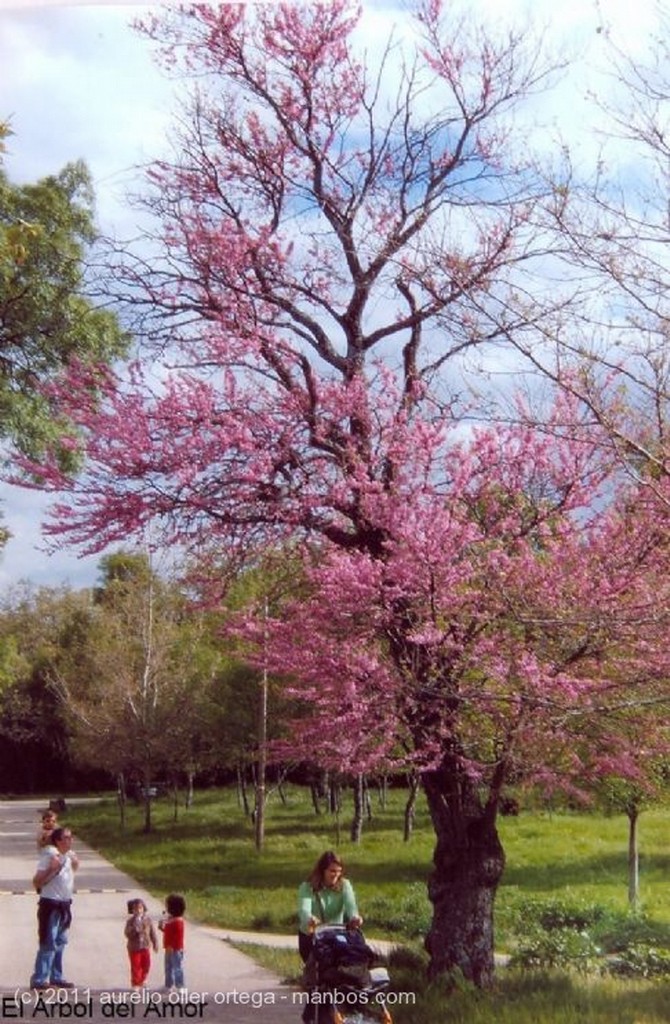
(61, 887)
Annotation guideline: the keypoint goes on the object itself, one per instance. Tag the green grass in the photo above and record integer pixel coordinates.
(579, 859)
(209, 855)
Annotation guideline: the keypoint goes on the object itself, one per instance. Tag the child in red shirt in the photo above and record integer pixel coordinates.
(172, 926)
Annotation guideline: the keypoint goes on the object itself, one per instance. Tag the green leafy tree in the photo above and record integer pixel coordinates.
(135, 689)
(37, 629)
(47, 322)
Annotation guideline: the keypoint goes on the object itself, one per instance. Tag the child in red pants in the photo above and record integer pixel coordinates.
(141, 937)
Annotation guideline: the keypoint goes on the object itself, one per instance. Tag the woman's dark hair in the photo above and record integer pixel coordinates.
(315, 877)
(175, 905)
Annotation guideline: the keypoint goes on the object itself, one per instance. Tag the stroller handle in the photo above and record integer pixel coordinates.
(322, 927)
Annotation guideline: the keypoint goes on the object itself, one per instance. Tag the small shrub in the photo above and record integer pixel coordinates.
(640, 961)
(559, 948)
(617, 932)
(558, 914)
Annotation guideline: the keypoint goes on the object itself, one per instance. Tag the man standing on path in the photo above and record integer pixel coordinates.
(54, 880)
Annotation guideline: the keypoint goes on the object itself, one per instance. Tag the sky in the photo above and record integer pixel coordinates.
(78, 82)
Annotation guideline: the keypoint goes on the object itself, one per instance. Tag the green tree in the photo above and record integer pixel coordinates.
(47, 322)
(135, 688)
(37, 629)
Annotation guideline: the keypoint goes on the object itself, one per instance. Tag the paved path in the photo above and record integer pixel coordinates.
(223, 984)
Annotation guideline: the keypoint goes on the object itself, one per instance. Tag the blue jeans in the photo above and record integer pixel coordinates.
(54, 920)
(174, 968)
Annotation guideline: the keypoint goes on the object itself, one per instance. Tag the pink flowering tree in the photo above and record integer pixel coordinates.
(336, 240)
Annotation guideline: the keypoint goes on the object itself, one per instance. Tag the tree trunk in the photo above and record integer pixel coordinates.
(242, 798)
(190, 787)
(367, 800)
(147, 808)
(633, 859)
(262, 739)
(359, 804)
(382, 790)
(314, 790)
(468, 864)
(122, 798)
(410, 807)
(334, 795)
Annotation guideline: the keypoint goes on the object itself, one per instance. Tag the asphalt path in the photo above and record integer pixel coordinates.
(224, 985)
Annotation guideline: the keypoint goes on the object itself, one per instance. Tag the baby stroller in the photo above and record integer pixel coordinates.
(343, 983)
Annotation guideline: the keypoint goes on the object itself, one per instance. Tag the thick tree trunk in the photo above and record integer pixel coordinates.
(468, 864)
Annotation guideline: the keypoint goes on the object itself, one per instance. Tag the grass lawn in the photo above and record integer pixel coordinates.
(208, 854)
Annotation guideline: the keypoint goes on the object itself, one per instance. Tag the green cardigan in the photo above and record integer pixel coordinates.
(337, 907)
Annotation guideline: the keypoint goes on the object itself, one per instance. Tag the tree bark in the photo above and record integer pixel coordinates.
(468, 863)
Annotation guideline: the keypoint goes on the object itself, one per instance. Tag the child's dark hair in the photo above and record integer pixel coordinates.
(175, 905)
(131, 904)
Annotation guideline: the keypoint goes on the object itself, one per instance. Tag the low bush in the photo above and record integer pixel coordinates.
(556, 949)
(576, 936)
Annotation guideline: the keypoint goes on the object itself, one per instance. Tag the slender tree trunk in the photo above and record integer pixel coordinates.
(146, 796)
(382, 789)
(122, 798)
(262, 738)
(633, 859)
(242, 798)
(359, 804)
(367, 801)
(410, 806)
(319, 789)
(468, 864)
(314, 790)
(334, 795)
(190, 787)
